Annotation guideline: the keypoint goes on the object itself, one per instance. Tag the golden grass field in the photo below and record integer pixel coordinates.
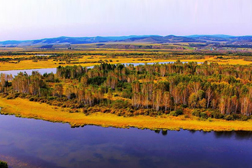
(29, 64)
(25, 108)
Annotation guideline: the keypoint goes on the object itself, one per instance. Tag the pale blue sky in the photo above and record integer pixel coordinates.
(34, 19)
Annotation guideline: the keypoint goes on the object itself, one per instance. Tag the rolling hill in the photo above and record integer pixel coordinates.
(215, 39)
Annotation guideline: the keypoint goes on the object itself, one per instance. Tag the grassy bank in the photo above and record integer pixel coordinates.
(25, 108)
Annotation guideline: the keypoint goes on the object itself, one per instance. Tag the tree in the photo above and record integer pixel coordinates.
(192, 101)
(58, 90)
(167, 100)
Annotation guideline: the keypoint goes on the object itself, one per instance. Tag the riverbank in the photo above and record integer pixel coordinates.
(27, 109)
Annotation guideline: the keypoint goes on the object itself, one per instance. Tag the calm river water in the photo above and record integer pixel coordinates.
(37, 143)
(54, 70)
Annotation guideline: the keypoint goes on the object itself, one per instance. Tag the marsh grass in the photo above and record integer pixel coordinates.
(26, 109)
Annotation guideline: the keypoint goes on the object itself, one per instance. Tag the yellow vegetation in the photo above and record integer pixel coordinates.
(29, 64)
(25, 108)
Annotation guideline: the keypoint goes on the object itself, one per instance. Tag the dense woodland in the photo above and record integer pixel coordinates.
(210, 90)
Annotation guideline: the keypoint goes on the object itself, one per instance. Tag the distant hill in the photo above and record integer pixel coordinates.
(215, 39)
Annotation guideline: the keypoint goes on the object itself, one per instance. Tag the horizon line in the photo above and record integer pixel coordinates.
(132, 36)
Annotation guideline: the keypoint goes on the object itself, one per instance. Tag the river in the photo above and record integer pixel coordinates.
(37, 143)
(54, 70)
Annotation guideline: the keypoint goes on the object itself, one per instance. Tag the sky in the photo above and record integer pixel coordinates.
(36, 19)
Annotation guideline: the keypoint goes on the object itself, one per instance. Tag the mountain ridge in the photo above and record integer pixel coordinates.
(228, 39)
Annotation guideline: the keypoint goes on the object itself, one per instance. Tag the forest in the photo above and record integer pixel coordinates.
(207, 90)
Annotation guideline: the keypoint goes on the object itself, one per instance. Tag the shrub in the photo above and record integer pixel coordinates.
(126, 94)
(187, 116)
(120, 104)
(203, 115)
(177, 112)
(229, 117)
(184, 105)
(244, 118)
(22, 95)
(51, 98)
(217, 115)
(196, 112)
(3, 164)
(11, 96)
(236, 116)
(210, 119)
(31, 99)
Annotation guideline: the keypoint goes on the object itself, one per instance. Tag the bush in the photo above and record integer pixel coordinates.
(210, 119)
(229, 117)
(31, 99)
(22, 95)
(11, 96)
(3, 164)
(184, 106)
(196, 113)
(244, 118)
(51, 98)
(203, 115)
(177, 112)
(217, 115)
(120, 104)
(126, 94)
(236, 116)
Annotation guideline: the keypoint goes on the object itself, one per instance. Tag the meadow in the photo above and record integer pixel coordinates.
(89, 55)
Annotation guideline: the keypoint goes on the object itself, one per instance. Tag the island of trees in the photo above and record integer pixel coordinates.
(207, 90)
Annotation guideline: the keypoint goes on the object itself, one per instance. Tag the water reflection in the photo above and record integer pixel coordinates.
(44, 144)
(54, 70)
(164, 132)
(29, 71)
(240, 135)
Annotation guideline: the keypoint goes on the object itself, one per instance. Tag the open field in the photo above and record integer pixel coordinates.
(91, 60)
(27, 109)
(29, 64)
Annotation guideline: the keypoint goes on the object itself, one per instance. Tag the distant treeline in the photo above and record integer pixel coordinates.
(233, 45)
(73, 58)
